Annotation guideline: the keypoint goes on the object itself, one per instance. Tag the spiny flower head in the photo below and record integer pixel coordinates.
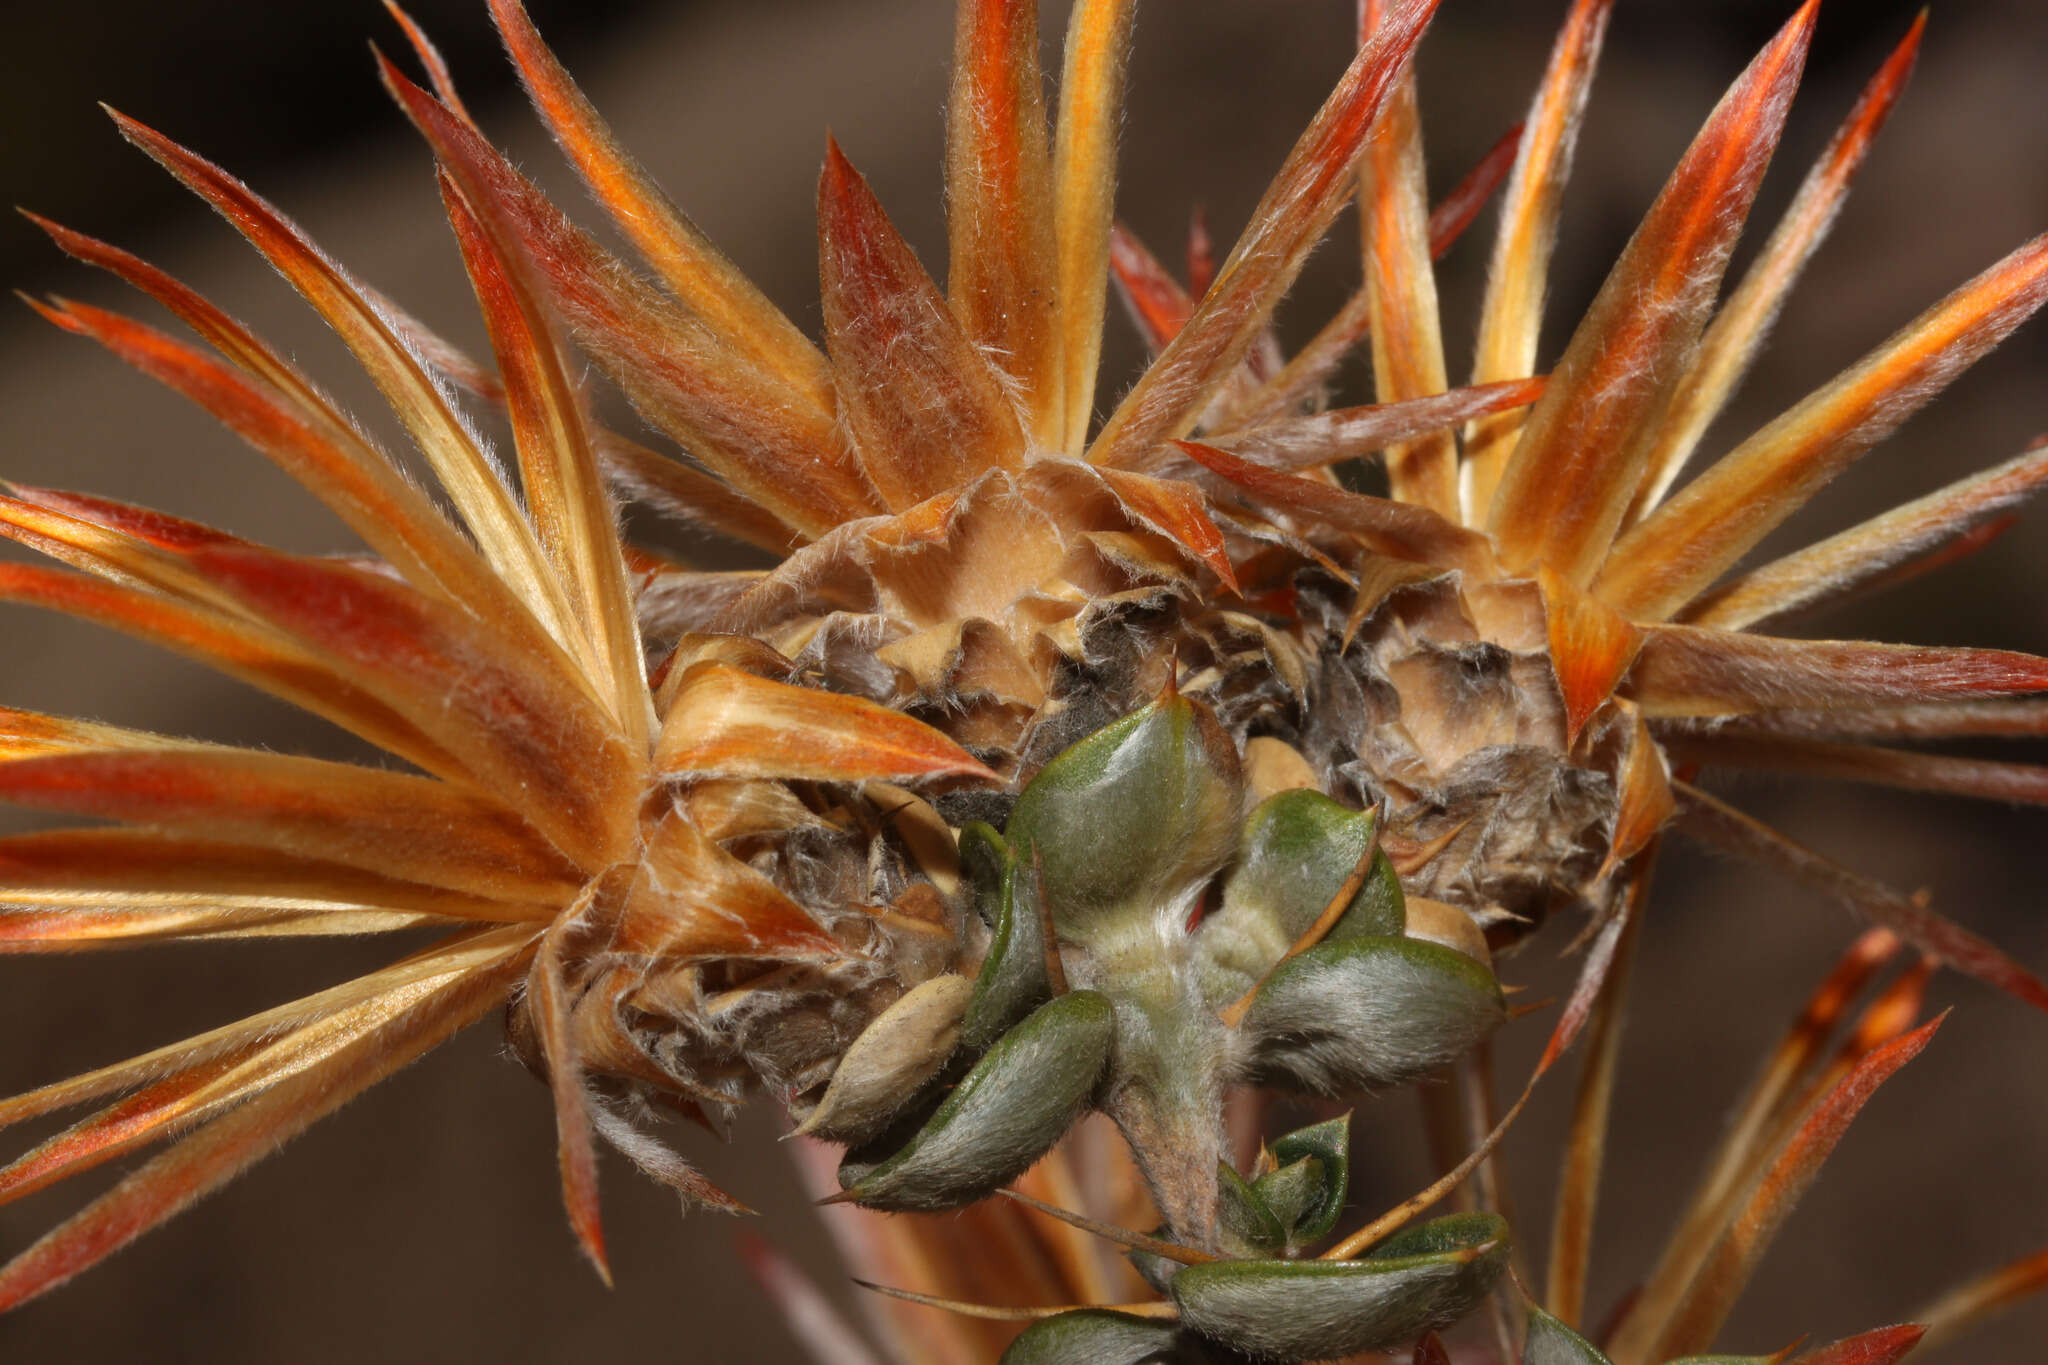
(1071, 756)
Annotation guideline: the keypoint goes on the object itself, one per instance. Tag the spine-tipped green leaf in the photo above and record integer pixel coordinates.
(1126, 825)
(1368, 1012)
(1316, 1161)
(1249, 1225)
(1418, 1281)
(1005, 1115)
(1013, 980)
(1550, 1342)
(1100, 1337)
(1297, 850)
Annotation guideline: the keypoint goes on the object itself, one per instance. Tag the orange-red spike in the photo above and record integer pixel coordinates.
(1579, 460)
(575, 1140)
(1457, 209)
(1084, 193)
(691, 900)
(694, 270)
(1985, 778)
(656, 1161)
(1769, 1122)
(238, 648)
(738, 418)
(1881, 1346)
(1645, 803)
(298, 431)
(1675, 553)
(681, 490)
(729, 723)
(520, 724)
(1742, 1148)
(1157, 303)
(1511, 318)
(1824, 1010)
(217, 328)
(1384, 526)
(410, 828)
(28, 734)
(138, 862)
(924, 407)
(158, 530)
(223, 1149)
(1002, 273)
(1926, 532)
(430, 57)
(135, 1121)
(113, 552)
(1318, 358)
(1736, 335)
(1958, 548)
(1290, 219)
(1591, 648)
(1352, 433)
(32, 923)
(1585, 1154)
(465, 471)
(1721, 825)
(1687, 671)
(1407, 339)
(558, 471)
(690, 496)
(1178, 512)
(1970, 1303)
(2002, 718)
(1733, 1260)
(1895, 1009)
(206, 1087)
(247, 1035)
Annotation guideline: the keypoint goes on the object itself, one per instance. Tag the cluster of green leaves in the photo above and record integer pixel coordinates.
(1104, 984)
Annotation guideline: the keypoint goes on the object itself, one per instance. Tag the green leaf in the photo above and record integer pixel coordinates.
(1296, 852)
(1294, 1193)
(1368, 1012)
(1455, 1235)
(1016, 1102)
(1297, 849)
(985, 860)
(1314, 1310)
(1327, 1146)
(1249, 1227)
(1013, 980)
(1379, 907)
(859, 1161)
(1100, 1337)
(1131, 821)
(1550, 1342)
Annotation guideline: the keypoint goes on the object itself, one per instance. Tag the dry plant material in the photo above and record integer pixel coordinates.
(1053, 794)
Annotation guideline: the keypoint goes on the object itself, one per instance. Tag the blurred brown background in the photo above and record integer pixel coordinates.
(421, 1223)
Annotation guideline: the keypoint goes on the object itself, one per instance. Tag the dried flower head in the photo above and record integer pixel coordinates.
(1066, 755)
